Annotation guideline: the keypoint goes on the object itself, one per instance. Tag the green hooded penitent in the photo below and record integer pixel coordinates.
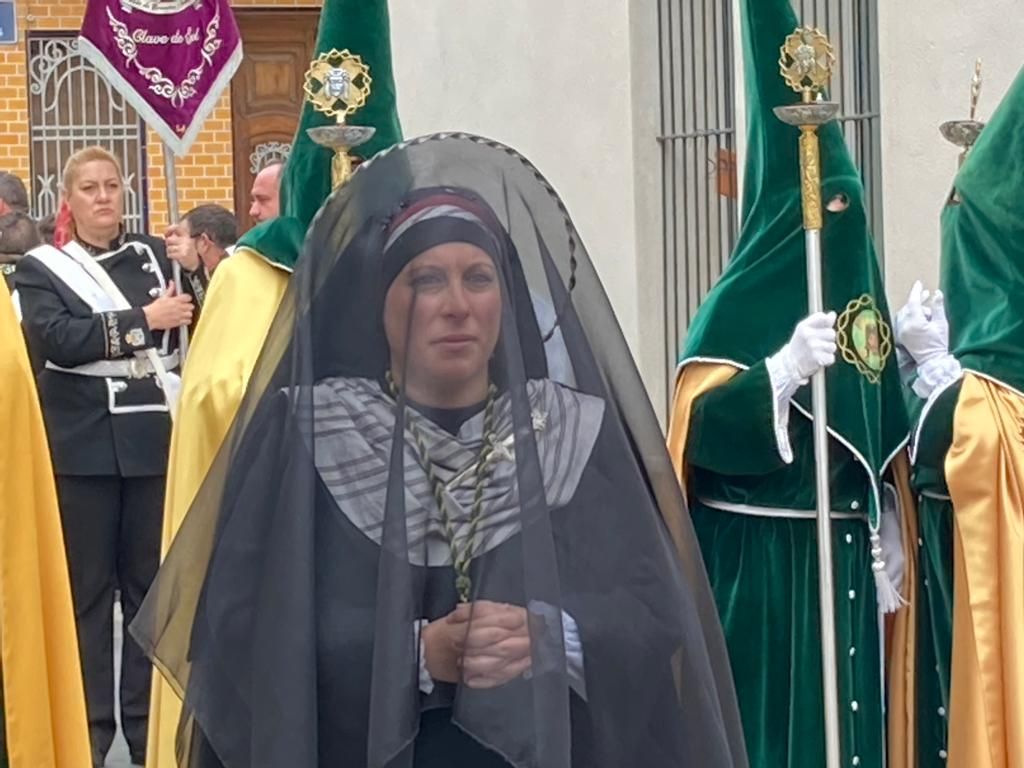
(983, 283)
(753, 309)
(753, 512)
(983, 249)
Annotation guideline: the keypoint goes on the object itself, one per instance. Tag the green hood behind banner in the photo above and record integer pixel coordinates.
(752, 310)
(983, 249)
(363, 27)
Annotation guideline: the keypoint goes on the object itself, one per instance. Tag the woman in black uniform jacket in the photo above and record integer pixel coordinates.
(107, 419)
(419, 550)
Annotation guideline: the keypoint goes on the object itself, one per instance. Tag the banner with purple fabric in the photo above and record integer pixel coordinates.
(171, 59)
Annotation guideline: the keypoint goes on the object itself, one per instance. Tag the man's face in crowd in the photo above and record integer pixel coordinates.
(265, 200)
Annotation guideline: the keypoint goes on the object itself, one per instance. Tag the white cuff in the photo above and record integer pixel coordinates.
(936, 373)
(426, 681)
(785, 383)
(574, 655)
(906, 365)
(571, 642)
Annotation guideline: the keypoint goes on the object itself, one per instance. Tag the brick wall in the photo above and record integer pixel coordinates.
(204, 176)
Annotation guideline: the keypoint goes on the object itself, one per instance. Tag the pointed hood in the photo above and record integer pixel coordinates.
(363, 27)
(752, 310)
(983, 248)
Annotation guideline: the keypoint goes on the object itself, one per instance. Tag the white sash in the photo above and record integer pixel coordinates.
(71, 273)
(82, 274)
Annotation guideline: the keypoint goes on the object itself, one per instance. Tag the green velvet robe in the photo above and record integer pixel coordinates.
(934, 590)
(764, 573)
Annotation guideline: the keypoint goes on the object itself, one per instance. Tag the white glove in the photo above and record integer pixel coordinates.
(923, 331)
(811, 348)
(921, 325)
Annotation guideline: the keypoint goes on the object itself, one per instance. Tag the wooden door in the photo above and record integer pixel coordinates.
(266, 93)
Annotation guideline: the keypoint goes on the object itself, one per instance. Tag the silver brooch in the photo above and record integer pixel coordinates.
(501, 452)
(540, 420)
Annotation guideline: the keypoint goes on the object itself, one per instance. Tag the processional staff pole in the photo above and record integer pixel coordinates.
(806, 65)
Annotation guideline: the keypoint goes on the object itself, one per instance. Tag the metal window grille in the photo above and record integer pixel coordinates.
(71, 106)
(698, 96)
(698, 141)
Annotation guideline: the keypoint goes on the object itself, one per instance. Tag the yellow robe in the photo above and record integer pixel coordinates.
(985, 475)
(240, 306)
(44, 704)
(696, 379)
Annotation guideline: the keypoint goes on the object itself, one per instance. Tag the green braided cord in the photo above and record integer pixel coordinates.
(465, 556)
(461, 556)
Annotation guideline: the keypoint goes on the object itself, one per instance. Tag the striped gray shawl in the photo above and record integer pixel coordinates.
(352, 428)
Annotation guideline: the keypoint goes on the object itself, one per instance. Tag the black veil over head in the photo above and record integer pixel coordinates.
(343, 515)
(426, 217)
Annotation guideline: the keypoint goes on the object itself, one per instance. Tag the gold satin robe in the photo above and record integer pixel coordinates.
(985, 475)
(44, 703)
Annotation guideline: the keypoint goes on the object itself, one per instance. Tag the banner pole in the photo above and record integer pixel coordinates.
(170, 175)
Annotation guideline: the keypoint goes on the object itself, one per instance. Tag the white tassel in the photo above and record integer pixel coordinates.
(889, 598)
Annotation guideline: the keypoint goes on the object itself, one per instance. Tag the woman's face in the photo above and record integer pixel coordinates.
(96, 197)
(442, 317)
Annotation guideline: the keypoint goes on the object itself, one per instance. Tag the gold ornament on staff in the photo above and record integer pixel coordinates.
(805, 64)
(338, 85)
(963, 133)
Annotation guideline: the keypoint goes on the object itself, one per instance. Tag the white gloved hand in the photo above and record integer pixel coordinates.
(921, 325)
(923, 331)
(811, 347)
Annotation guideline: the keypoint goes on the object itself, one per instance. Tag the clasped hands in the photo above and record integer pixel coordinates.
(487, 652)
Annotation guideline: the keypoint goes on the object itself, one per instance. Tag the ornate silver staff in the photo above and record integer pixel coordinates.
(806, 63)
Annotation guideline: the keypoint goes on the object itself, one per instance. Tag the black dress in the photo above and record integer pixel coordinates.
(625, 626)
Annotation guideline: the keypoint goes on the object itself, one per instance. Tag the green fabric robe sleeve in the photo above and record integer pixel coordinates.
(935, 434)
(733, 457)
(732, 428)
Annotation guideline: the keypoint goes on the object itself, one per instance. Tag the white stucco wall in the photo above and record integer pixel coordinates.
(574, 85)
(927, 54)
(551, 78)
(649, 350)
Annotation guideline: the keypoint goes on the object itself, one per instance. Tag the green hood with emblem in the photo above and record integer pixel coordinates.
(752, 310)
(362, 27)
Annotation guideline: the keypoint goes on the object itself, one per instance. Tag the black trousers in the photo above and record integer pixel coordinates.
(112, 527)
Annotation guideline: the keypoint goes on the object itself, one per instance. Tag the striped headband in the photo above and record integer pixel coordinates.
(434, 220)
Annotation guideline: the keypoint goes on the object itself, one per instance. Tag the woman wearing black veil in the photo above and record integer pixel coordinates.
(415, 548)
